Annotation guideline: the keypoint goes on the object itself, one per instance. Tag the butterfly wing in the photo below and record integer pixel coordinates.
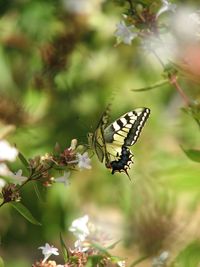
(99, 144)
(98, 141)
(122, 133)
(111, 142)
(124, 162)
(126, 130)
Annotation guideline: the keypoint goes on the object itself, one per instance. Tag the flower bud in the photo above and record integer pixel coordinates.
(73, 144)
(139, 9)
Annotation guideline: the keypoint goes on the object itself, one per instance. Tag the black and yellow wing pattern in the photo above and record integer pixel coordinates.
(112, 142)
(97, 140)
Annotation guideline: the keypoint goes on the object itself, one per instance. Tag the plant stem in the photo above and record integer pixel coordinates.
(131, 4)
(158, 58)
(25, 182)
(138, 261)
(2, 203)
(173, 81)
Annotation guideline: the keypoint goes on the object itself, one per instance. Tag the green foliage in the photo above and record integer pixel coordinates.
(23, 160)
(59, 70)
(94, 260)
(39, 191)
(192, 154)
(64, 249)
(1, 262)
(189, 256)
(25, 212)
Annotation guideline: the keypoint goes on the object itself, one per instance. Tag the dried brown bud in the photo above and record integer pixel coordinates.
(9, 193)
(67, 156)
(57, 147)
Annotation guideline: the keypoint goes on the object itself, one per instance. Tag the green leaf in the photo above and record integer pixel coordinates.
(150, 87)
(113, 244)
(89, 263)
(24, 212)
(94, 260)
(1, 262)
(64, 249)
(192, 154)
(189, 256)
(101, 249)
(115, 259)
(194, 111)
(23, 160)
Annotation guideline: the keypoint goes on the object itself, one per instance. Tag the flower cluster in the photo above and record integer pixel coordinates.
(173, 40)
(42, 169)
(86, 249)
(141, 22)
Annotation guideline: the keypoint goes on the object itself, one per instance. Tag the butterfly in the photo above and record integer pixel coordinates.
(111, 142)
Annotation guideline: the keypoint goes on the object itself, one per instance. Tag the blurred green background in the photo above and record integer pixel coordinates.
(59, 69)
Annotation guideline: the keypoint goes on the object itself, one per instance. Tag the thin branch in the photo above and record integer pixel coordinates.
(139, 260)
(173, 81)
(150, 87)
(131, 4)
(2, 203)
(158, 58)
(25, 182)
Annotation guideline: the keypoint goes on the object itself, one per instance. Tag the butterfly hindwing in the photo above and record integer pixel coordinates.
(124, 162)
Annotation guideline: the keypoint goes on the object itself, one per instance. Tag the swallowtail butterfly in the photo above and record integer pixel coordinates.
(111, 142)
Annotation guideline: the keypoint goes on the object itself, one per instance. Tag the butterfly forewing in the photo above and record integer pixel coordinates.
(126, 130)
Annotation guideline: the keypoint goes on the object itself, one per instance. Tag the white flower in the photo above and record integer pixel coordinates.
(195, 21)
(121, 263)
(17, 177)
(84, 161)
(186, 25)
(7, 152)
(73, 144)
(166, 6)
(195, 16)
(2, 183)
(79, 227)
(124, 33)
(82, 6)
(63, 179)
(48, 250)
(81, 246)
(4, 170)
(160, 261)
